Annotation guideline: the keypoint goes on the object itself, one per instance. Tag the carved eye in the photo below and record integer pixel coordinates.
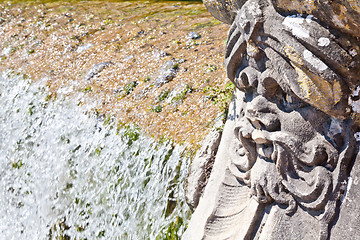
(285, 101)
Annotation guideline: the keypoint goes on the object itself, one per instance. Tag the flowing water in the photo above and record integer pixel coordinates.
(67, 172)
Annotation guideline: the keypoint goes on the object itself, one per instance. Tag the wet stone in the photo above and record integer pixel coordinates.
(96, 69)
(166, 73)
(181, 60)
(193, 35)
(159, 53)
(84, 47)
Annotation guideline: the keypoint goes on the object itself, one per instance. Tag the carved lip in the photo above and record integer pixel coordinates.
(254, 145)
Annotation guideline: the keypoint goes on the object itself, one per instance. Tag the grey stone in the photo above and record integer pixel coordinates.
(347, 226)
(201, 166)
(159, 53)
(284, 165)
(193, 35)
(96, 69)
(166, 73)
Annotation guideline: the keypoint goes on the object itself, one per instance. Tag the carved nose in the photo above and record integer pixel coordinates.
(247, 78)
(262, 115)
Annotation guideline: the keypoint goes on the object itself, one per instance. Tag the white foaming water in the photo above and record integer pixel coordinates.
(65, 171)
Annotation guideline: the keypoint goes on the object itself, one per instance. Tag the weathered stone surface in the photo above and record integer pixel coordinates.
(289, 144)
(201, 166)
(277, 224)
(343, 15)
(347, 225)
(218, 199)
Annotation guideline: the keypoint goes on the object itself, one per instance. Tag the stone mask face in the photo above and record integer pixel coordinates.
(293, 136)
(286, 150)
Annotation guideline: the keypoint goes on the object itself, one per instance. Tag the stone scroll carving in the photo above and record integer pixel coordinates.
(283, 163)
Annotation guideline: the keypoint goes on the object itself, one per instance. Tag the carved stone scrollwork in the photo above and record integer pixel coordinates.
(288, 144)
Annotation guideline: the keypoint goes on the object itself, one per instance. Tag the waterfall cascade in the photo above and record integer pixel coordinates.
(68, 172)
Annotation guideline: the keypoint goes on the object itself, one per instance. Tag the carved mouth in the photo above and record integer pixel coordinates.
(253, 144)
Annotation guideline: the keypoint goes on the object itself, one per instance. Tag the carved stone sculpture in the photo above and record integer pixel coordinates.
(284, 165)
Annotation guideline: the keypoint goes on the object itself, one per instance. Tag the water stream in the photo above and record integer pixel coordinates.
(67, 172)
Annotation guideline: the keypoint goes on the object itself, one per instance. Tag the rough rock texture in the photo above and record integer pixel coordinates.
(201, 167)
(290, 143)
(348, 223)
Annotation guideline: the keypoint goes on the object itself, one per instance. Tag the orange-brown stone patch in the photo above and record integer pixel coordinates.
(62, 41)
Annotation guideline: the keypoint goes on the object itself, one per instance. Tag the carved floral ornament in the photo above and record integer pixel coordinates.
(292, 143)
